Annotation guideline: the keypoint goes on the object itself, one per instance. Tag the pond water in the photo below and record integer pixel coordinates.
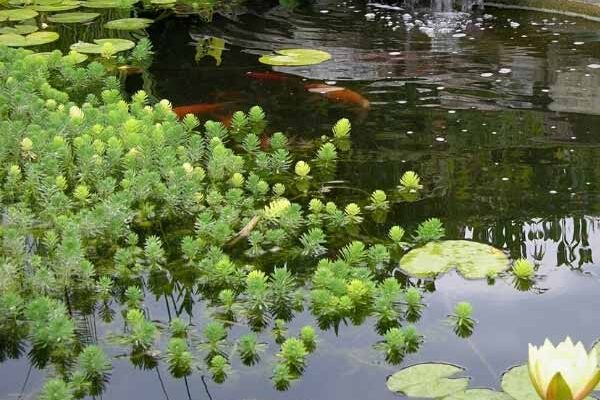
(500, 121)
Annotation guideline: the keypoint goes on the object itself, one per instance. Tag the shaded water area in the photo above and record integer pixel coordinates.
(500, 120)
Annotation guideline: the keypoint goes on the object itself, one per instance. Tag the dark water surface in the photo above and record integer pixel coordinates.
(511, 159)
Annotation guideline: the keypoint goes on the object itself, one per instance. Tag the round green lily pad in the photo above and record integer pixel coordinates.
(128, 24)
(473, 260)
(73, 17)
(108, 3)
(97, 47)
(296, 57)
(33, 39)
(20, 14)
(63, 6)
(430, 381)
(19, 29)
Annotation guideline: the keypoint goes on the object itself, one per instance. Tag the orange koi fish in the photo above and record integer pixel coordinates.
(198, 109)
(338, 93)
(268, 76)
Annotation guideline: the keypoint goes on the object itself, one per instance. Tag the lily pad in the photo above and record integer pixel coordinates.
(431, 380)
(20, 14)
(97, 47)
(33, 39)
(19, 29)
(296, 57)
(479, 394)
(128, 24)
(63, 6)
(73, 17)
(108, 4)
(473, 260)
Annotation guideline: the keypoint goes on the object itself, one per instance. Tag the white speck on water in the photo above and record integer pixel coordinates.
(487, 74)
(370, 16)
(573, 137)
(552, 192)
(440, 139)
(545, 90)
(401, 102)
(459, 35)
(331, 82)
(324, 11)
(594, 66)
(394, 53)
(553, 127)
(504, 71)
(514, 24)
(440, 88)
(451, 111)
(494, 133)
(505, 179)
(578, 43)
(409, 132)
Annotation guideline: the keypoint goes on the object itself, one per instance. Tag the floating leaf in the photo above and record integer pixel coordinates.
(33, 39)
(20, 14)
(473, 260)
(73, 17)
(431, 380)
(296, 57)
(128, 24)
(96, 48)
(19, 29)
(62, 6)
(478, 394)
(108, 3)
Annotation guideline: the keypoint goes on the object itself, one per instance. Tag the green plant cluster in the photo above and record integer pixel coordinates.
(107, 201)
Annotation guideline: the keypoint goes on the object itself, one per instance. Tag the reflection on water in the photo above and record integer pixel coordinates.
(496, 111)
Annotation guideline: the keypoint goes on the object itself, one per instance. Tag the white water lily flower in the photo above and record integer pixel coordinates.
(564, 372)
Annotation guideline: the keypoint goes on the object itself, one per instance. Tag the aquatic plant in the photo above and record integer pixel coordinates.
(313, 241)
(342, 128)
(393, 345)
(56, 389)
(396, 234)
(249, 348)
(127, 201)
(463, 319)
(308, 336)
(94, 363)
(293, 354)
(179, 358)
(523, 269)
(279, 331)
(414, 304)
(410, 182)
(302, 169)
(412, 339)
(430, 230)
(379, 200)
(566, 371)
(214, 341)
(282, 376)
(327, 153)
(219, 368)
